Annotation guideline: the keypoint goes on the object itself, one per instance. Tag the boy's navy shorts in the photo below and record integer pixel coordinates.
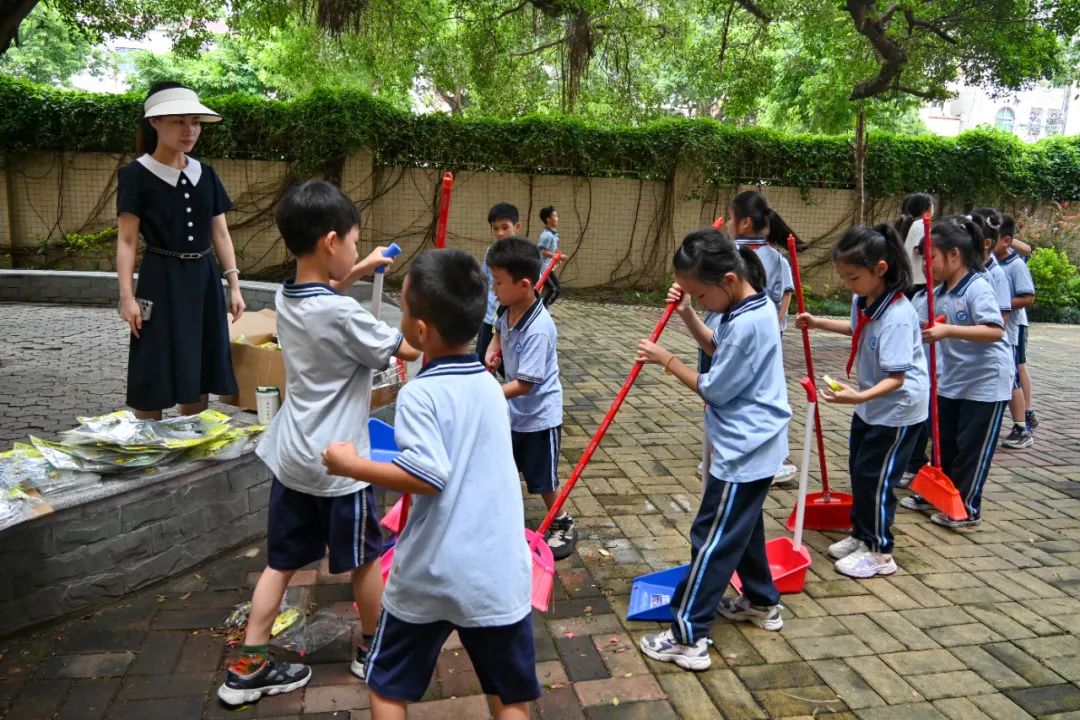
(300, 527)
(403, 655)
(1019, 353)
(537, 458)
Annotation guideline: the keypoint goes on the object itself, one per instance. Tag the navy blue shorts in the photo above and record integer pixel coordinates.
(1019, 354)
(537, 458)
(300, 527)
(403, 656)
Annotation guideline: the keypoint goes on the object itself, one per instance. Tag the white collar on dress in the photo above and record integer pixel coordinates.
(171, 175)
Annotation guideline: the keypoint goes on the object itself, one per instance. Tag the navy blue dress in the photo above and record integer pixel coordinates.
(183, 352)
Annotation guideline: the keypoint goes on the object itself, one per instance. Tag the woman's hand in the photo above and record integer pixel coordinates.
(132, 314)
(237, 306)
(676, 293)
(806, 321)
(650, 352)
(846, 395)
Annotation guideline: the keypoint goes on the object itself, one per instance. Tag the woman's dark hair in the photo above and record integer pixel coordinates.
(711, 254)
(753, 205)
(145, 135)
(989, 221)
(962, 233)
(913, 207)
(864, 246)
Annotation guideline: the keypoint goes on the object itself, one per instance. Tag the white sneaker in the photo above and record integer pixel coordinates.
(766, 617)
(866, 564)
(664, 648)
(787, 474)
(846, 546)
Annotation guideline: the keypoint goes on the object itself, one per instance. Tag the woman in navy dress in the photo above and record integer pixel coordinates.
(176, 205)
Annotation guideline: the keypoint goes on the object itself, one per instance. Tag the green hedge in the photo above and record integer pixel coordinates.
(323, 126)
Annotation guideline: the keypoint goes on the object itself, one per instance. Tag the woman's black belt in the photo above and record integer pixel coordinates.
(179, 255)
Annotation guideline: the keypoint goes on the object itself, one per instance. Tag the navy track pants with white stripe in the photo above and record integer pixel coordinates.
(969, 436)
(878, 457)
(728, 534)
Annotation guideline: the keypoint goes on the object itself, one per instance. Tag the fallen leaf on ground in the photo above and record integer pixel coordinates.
(250, 552)
(604, 552)
(614, 701)
(185, 596)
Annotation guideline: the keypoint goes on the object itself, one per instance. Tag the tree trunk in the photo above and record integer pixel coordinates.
(860, 169)
(12, 13)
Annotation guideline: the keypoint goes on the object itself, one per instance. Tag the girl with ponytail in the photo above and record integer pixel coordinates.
(892, 400)
(746, 422)
(974, 366)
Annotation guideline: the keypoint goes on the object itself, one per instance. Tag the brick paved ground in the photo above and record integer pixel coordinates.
(976, 625)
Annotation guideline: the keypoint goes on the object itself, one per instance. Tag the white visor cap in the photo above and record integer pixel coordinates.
(178, 101)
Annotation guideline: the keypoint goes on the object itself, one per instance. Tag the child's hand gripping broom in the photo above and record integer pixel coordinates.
(543, 560)
(931, 482)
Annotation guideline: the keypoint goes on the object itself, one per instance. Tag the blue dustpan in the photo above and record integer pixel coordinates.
(650, 595)
(383, 446)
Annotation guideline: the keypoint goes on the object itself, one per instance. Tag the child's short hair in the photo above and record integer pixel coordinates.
(504, 211)
(517, 256)
(447, 290)
(546, 213)
(309, 211)
(1008, 226)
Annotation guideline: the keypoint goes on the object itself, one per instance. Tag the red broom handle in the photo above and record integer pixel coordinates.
(444, 210)
(539, 285)
(809, 363)
(928, 270)
(608, 419)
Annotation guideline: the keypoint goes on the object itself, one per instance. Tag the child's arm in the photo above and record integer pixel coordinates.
(782, 310)
(850, 396)
(701, 332)
(812, 322)
(1021, 247)
(363, 268)
(1022, 301)
(341, 459)
(974, 333)
(514, 388)
(650, 352)
(407, 352)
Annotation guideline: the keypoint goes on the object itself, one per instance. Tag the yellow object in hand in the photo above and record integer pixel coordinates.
(833, 385)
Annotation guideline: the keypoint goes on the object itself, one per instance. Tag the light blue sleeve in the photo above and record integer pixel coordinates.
(1001, 290)
(547, 241)
(895, 350)
(789, 279)
(1023, 284)
(532, 365)
(731, 372)
(982, 305)
(368, 341)
(854, 311)
(417, 433)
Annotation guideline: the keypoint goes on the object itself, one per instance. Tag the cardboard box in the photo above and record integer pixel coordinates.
(252, 365)
(255, 367)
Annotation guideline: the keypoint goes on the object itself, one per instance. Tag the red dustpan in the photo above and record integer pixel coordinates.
(824, 510)
(788, 557)
(931, 482)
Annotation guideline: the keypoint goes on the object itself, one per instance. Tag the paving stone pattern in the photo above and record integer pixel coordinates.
(976, 625)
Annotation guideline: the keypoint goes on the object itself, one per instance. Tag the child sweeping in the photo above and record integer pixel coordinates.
(746, 427)
(892, 401)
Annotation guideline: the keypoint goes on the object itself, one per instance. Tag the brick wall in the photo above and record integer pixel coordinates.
(617, 230)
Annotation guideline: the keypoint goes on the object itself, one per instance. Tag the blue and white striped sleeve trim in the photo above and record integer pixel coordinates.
(397, 346)
(531, 379)
(419, 472)
(897, 368)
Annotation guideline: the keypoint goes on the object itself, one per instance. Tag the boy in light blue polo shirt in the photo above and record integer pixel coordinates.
(462, 562)
(527, 337)
(504, 221)
(330, 345)
(548, 242)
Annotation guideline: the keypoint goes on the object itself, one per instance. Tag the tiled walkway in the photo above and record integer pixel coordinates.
(975, 625)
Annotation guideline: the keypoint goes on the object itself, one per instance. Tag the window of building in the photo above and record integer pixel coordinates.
(1055, 122)
(1035, 122)
(1005, 119)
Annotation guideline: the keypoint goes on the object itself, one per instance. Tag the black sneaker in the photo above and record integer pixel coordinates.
(562, 537)
(359, 664)
(915, 502)
(1018, 439)
(273, 678)
(1031, 420)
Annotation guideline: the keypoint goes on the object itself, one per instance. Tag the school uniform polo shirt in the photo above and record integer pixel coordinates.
(548, 240)
(492, 301)
(330, 344)
(778, 277)
(972, 370)
(529, 355)
(891, 342)
(1020, 283)
(748, 413)
(462, 556)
